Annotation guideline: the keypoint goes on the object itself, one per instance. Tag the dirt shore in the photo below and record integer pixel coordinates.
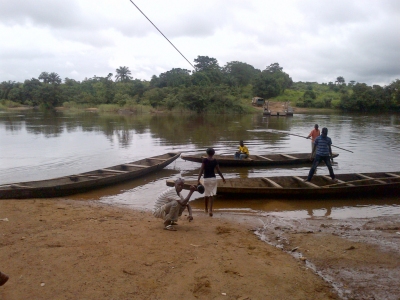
(66, 249)
(63, 249)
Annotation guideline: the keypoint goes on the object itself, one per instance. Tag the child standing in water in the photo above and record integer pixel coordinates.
(208, 166)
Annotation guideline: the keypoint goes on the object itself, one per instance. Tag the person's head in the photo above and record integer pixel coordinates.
(179, 184)
(200, 189)
(316, 126)
(210, 151)
(241, 143)
(324, 131)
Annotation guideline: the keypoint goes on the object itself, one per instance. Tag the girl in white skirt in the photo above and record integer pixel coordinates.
(208, 166)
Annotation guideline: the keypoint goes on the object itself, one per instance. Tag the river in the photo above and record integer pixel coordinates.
(39, 145)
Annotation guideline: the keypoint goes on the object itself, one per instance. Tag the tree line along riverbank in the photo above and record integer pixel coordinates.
(210, 88)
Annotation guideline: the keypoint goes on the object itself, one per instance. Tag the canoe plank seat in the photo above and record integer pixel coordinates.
(272, 182)
(392, 175)
(311, 185)
(263, 157)
(289, 156)
(367, 177)
(339, 181)
(113, 171)
(83, 175)
(133, 165)
(160, 159)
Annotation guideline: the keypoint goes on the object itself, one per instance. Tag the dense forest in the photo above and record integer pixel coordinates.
(209, 88)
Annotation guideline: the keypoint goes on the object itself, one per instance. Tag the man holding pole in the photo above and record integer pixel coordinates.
(322, 146)
(313, 135)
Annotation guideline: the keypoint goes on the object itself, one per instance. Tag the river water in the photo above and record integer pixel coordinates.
(39, 145)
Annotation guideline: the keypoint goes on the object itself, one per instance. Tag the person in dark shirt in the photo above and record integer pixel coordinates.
(208, 167)
(323, 150)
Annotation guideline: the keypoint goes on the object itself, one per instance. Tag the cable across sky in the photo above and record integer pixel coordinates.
(162, 34)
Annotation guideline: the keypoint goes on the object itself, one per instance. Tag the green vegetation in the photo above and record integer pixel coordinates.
(208, 89)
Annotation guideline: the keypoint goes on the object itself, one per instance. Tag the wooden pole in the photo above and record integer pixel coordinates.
(304, 137)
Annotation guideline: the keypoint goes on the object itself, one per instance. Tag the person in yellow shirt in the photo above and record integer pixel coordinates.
(243, 152)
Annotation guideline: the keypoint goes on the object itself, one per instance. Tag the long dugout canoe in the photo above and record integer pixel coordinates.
(83, 182)
(321, 186)
(257, 160)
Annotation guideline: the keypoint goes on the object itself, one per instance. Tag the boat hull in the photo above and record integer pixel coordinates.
(79, 183)
(257, 160)
(321, 186)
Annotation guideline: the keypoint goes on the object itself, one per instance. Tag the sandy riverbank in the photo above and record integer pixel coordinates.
(63, 249)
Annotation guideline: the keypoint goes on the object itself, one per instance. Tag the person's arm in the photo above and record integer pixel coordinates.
(309, 135)
(330, 151)
(186, 200)
(220, 174)
(189, 208)
(200, 173)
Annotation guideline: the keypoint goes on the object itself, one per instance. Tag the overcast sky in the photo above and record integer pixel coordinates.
(313, 40)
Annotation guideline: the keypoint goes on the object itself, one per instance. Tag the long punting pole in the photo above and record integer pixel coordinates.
(304, 137)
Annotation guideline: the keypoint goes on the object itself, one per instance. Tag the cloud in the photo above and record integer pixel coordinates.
(312, 40)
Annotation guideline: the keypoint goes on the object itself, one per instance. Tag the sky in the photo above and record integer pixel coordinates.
(312, 40)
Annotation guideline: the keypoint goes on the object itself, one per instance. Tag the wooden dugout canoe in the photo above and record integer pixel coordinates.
(321, 186)
(257, 160)
(73, 184)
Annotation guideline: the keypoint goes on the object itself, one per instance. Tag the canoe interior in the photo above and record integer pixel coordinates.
(97, 178)
(256, 159)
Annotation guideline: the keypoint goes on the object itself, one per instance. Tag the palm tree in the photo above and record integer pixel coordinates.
(54, 78)
(123, 74)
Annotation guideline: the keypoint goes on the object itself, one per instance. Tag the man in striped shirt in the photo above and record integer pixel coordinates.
(170, 205)
(322, 146)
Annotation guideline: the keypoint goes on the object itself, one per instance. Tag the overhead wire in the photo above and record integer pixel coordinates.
(162, 34)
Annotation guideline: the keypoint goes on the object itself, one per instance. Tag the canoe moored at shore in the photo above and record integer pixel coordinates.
(384, 183)
(257, 160)
(73, 184)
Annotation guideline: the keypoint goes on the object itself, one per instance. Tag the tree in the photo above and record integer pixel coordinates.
(274, 68)
(242, 73)
(6, 87)
(271, 82)
(362, 98)
(266, 86)
(30, 91)
(54, 78)
(44, 76)
(174, 78)
(205, 63)
(340, 80)
(123, 74)
(209, 66)
(351, 83)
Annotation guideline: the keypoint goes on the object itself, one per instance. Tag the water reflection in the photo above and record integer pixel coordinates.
(37, 145)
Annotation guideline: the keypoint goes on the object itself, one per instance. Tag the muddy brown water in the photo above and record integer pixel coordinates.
(42, 145)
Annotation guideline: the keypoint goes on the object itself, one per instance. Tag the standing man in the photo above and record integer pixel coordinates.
(243, 151)
(322, 146)
(171, 204)
(313, 135)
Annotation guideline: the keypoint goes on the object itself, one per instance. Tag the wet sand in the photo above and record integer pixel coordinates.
(68, 249)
